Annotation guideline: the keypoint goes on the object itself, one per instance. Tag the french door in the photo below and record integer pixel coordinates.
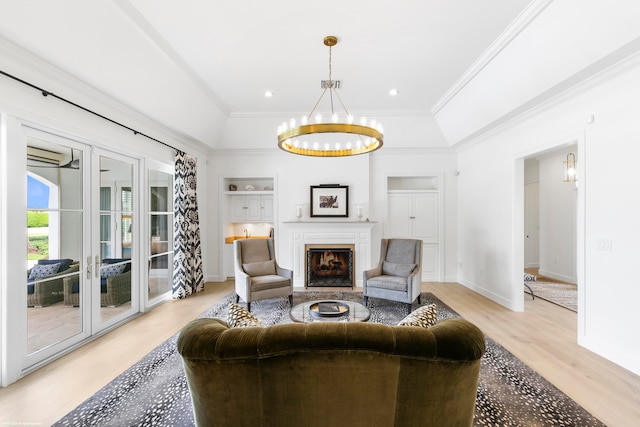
(82, 217)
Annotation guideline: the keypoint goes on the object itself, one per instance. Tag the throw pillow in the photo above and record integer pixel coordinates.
(263, 268)
(239, 317)
(394, 269)
(43, 270)
(424, 316)
(108, 270)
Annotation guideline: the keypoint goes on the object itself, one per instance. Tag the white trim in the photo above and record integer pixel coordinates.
(511, 32)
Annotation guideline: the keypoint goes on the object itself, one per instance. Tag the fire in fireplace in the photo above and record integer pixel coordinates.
(329, 266)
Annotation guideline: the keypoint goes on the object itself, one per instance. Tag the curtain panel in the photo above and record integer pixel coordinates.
(188, 276)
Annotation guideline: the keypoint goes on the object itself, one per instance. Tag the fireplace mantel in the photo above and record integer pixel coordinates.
(300, 233)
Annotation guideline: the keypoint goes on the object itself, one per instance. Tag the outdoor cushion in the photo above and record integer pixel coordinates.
(127, 266)
(43, 270)
(108, 270)
(64, 263)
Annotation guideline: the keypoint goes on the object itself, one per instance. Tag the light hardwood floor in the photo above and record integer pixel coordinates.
(544, 337)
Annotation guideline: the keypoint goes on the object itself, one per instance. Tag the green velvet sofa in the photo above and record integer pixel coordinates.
(332, 373)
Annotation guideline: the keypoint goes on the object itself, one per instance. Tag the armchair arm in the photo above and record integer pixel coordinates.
(376, 271)
(284, 272)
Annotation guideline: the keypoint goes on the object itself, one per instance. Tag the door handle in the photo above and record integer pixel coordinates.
(89, 267)
(97, 267)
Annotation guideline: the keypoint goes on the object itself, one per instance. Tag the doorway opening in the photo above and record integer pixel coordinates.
(550, 229)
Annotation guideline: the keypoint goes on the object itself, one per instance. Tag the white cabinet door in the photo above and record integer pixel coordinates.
(238, 209)
(417, 216)
(254, 208)
(426, 214)
(400, 211)
(267, 208)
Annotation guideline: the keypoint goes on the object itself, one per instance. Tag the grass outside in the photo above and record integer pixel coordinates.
(38, 247)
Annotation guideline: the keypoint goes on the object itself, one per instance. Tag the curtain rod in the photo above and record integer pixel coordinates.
(47, 93)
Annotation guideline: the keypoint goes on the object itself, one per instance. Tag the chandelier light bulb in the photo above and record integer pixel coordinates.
(318, 118)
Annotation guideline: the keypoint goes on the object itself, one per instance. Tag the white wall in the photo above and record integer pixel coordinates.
(365, 175)
(490, 216)
(294, 175)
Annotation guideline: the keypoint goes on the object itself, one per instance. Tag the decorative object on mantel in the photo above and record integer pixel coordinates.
(268, 188)
(329, 200)
(299, 212)
(233, 187)
(359, 212)
(249, 187)
(336, 137)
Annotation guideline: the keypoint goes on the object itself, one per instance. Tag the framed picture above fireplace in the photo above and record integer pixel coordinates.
(329, 200)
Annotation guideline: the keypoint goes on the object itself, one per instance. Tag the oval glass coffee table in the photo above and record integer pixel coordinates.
(329, 311)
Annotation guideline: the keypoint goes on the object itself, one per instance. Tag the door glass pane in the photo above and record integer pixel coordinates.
(55, 238)
(116, 237)
(160, 233)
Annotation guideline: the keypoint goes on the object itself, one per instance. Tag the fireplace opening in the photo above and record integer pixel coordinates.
(329, 265)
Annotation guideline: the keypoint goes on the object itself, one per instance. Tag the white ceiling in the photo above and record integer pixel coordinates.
(193, 59)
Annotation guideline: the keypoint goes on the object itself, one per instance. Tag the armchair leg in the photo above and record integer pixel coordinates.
(409, 306)
(366, 299)
(237, 298)
(291, 300)
(419, 300)
(249, 307)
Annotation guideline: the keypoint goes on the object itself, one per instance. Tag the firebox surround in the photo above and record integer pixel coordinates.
(296, 235)
(329, 265)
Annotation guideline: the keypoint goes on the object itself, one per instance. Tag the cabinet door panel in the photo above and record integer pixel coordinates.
(238, 209)
(426, 212)
(267, 208)
(430, 262)
(400, 211)
(253, 208)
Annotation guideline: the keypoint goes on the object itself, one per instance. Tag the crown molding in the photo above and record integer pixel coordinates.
(280, 114)
(523, 20)
(154, 36)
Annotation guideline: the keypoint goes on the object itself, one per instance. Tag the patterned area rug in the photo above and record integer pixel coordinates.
(154, 392)
(560, 293)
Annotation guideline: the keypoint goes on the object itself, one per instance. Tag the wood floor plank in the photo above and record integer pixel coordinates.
(544, 337)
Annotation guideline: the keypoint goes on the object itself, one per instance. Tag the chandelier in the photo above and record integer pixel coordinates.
(339, 136)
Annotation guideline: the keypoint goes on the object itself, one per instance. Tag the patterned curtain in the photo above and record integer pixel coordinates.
(187, 257)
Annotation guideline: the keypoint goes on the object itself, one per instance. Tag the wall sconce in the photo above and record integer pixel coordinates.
(570, 168)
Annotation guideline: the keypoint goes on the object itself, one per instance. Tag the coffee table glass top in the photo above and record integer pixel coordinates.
(302, 313)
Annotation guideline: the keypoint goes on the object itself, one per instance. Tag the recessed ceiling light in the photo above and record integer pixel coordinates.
(268, 94)
(393, 92)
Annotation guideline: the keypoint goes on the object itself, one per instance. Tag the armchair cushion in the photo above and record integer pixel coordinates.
(395, 269)
(393, 283)
(263, 268)
(424, 316)
(239, 317)
(43, 270)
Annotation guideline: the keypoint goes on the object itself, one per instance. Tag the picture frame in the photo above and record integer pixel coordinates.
(329, 201)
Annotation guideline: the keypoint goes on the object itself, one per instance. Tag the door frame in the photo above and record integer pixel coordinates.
(518, 295)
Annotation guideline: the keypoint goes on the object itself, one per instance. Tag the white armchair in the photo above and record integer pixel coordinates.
(257, 273)
(398, 273)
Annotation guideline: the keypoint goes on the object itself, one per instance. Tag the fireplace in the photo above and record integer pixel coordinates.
(329, 265)
(297, 236)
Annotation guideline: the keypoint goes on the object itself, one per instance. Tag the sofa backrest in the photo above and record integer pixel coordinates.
(332, 373)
